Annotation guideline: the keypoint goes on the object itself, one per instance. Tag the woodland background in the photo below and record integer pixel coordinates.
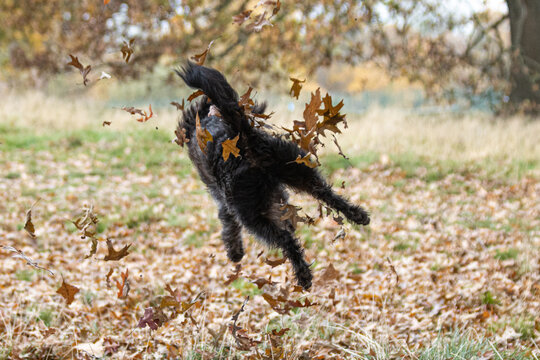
(110, 245)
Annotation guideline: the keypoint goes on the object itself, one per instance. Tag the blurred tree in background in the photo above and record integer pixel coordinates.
(451, 48)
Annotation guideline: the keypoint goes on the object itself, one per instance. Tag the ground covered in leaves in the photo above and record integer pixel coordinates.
(448, 255)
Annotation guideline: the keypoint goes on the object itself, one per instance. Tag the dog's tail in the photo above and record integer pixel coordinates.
(215, 86)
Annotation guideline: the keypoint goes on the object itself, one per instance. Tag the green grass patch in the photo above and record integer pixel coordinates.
(47, 316)
(466, 346)
(25, 275)
(488, 298)
(12, 175)
(246, 288)
(507, 254)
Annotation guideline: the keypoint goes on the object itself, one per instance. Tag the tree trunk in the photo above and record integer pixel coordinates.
(525, 37)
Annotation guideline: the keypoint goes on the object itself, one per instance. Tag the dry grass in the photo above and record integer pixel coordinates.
(465, 138)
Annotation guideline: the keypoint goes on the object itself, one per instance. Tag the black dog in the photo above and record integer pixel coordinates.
(250, 189)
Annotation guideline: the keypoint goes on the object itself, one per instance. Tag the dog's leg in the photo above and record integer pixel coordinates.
(309, 180)
(352, 212)
(274, 236)
(231, 235)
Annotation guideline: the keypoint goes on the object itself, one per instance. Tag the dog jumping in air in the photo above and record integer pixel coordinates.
(250, 189)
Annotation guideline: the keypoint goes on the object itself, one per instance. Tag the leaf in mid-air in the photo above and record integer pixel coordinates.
(28, 225)
(195, 95)
(306, 161)
(67, 291)
(296, 87)
(84, 70)
(181, 138)
(127, 50)
(178, 106)
(242, 17)
(201, 58)
(115, 255)
(229, 147)
(203, 135)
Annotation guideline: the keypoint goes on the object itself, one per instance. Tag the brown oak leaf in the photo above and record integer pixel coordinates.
(195, 95)
(274, 263)
(67, 291)
(179, 107)
(127, 50)
(296, 87)
(181, 138)
(306, 161)
(123, 287)
(84, 70)
(203, 135)
(229, 147)
(115, 255)
(242, 17)
(201, 58)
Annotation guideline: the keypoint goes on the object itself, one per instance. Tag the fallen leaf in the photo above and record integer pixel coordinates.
(311, 111)
(116, 255)
(96, 349)
(127, 50)
(274, 263)
(108, 277)
(290, 212)
(84, 70)
(195, 95)
(153, 318)
(296, 87)
(245, 100)
(179, 107)
(203, 135)
(181, 138)
(67, 291)
(242, 17)
(329, 274)
(261, 282)
(28, 225)
(229, 147)
(276, 8)
(124, 286)
(235, 275)
(258, 23)
(201, 58)
(306, 161)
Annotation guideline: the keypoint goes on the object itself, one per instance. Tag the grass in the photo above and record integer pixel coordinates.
(47, 316)
(25, 275)
(443, 144)
(488, 298)
(467, 346)
(506, 254)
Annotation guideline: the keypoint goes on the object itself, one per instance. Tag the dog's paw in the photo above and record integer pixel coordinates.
(235, 255)
(304, 278)
(358, 216)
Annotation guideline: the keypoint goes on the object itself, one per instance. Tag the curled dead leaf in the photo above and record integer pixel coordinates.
(67, 291)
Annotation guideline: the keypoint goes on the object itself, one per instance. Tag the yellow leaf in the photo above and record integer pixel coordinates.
(229, 147)
(306, 161)
(203, 135)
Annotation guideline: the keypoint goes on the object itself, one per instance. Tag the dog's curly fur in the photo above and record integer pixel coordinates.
(250, 189)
